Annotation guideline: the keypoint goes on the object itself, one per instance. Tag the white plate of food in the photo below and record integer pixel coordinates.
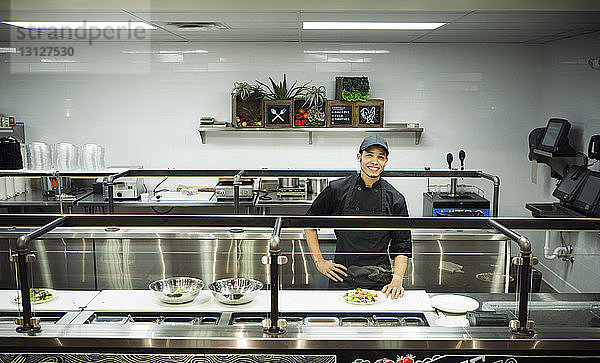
(360, 296)
(38, 296)
(458, 304)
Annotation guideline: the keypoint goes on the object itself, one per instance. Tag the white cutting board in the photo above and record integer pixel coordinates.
(331, 301)
(145, 301)
(65, 301)
(289, 300)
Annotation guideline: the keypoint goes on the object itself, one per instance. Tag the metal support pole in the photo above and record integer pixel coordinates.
(274, 251)
(23, 242)
(111, 200)
(27, 326)
(524, 286)
(525, 262)
(237, 181)
(496, 199)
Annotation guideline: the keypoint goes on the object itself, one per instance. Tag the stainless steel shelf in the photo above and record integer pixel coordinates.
(310, 130)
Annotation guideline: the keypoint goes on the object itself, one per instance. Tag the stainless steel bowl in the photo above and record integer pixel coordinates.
(235, 291)
(176, 290)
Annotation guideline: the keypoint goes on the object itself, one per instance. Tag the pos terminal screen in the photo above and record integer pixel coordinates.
(556, 132)
(588, 196)
(569, 185)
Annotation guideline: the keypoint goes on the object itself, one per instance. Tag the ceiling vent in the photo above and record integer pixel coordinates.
(191, 26)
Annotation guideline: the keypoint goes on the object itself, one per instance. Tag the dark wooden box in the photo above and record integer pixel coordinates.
(369, 113)
(339, 87)
(278, 113)
(249, 111)
(340, 113)
(299, 105)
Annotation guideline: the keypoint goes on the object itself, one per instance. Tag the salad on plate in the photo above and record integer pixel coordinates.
(360, 296)
(38, 296)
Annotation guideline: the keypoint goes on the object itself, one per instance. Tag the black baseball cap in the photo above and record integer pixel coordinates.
(372, 140)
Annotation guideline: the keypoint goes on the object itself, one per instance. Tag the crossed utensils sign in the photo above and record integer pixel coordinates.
(278, 114)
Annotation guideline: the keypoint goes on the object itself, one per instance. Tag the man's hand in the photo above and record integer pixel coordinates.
(394, 288)
(331, 269)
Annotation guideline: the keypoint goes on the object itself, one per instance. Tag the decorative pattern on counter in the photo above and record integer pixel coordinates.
(163, 358)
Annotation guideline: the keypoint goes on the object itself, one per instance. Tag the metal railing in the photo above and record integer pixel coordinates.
(308, 173)
(503, 225)
(237, 174)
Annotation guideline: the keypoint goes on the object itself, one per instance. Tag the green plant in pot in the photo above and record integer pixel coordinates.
(315, 100)
(247, 100)
(280, 91)
(355, 89)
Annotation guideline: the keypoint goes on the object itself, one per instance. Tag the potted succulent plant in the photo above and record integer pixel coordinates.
(278, 104)
(246, 105)
(310, 111)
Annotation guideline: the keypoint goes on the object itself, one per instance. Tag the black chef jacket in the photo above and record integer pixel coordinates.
(364, 252)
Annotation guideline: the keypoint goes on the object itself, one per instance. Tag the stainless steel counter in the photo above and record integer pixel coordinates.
(553, 337)
(36, 198)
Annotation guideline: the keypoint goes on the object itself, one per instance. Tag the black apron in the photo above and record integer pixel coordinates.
(364, 253)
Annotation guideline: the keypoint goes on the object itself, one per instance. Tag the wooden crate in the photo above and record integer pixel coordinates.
(339, 87)
(340, 113)
(241, 109)
(299, 104)
(369, 113)
(278, 113)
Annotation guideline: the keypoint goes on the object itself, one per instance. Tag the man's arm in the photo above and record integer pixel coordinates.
(394, 288)
(400, 249)
(327, 267)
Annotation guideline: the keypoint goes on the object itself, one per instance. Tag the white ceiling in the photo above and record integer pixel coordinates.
(466, 26)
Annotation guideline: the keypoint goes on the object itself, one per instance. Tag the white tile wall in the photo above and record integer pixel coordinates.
(480, 98)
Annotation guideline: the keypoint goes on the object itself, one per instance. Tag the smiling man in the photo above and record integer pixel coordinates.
(362, 258)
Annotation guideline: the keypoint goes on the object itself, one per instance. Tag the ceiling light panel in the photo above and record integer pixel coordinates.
(347, 25)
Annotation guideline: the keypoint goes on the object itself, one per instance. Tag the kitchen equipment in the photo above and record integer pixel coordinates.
(125, 188)
(569, 186)
(66, 156)
(53, 186)
(224, 188)
(38, 156)
(292, 187)
(10, 154)
(295, 192)
(235, 290)
(149, 319)
(487, 318)
(92, 157)
(449, 159)
(176, 290)
(289, 182)
(321, 321)
(587, 199)
(343, 319)
(316, 185)
(469, 204)
(458, 304)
